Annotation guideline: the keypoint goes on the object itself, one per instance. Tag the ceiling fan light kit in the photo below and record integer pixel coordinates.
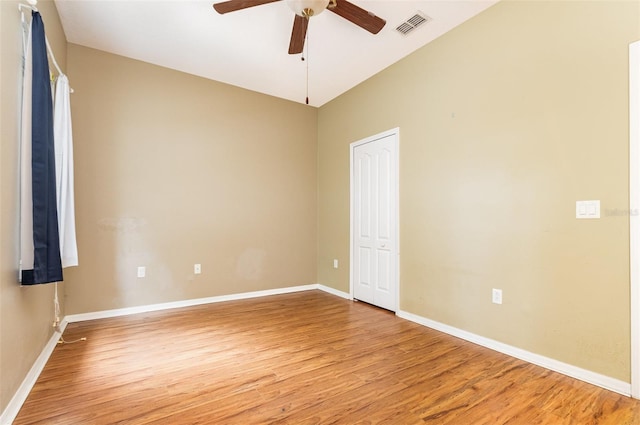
(307, 8)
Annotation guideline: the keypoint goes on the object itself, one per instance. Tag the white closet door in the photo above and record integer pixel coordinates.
(374, 200)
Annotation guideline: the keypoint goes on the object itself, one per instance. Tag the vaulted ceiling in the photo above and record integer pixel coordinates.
(249, 48)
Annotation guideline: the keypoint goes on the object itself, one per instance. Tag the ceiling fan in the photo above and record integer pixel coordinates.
(305, 9)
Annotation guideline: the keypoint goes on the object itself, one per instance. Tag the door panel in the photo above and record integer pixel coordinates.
(383, 280)
(364, 200)
(384, 201)
(365, 265)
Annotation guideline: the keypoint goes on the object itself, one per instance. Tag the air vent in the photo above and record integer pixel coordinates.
(412, 23)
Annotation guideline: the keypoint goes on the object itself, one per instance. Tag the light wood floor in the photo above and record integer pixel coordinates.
(303, 358)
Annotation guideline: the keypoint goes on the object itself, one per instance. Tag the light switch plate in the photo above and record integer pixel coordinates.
(588, 209)
(496, 296)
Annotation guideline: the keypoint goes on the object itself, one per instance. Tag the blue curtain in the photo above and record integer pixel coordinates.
(47, 266)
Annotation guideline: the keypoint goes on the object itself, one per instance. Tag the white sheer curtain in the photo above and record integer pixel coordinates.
(63, 137)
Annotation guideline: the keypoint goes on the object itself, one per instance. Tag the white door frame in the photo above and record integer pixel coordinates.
(393, 132)
(634, 211)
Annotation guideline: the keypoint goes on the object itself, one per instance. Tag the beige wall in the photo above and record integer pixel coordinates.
(504, 123)
(173, 170)
(26, 314)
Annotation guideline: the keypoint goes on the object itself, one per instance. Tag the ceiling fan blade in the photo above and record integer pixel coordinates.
(358, 16)
(298, 34)
(233, 5)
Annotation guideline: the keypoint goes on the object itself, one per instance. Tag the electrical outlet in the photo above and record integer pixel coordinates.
(142, 271)
(335, 263)
(496, 296)
(197, 269)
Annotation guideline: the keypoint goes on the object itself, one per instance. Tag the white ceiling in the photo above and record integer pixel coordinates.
(248, 48)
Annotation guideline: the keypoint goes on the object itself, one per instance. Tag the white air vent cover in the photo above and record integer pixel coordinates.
(412, 23)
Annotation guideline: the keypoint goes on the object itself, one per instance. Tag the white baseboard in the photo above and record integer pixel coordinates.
(186, 303)
(335, 292)
(29, 381)
(588, 376)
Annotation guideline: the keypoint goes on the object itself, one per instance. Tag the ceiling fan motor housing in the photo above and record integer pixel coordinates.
(307, 8)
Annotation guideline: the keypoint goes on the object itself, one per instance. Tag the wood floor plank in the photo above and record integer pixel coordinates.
(302, 358)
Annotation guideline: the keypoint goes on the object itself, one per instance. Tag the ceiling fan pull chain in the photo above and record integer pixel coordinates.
(307, 47)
